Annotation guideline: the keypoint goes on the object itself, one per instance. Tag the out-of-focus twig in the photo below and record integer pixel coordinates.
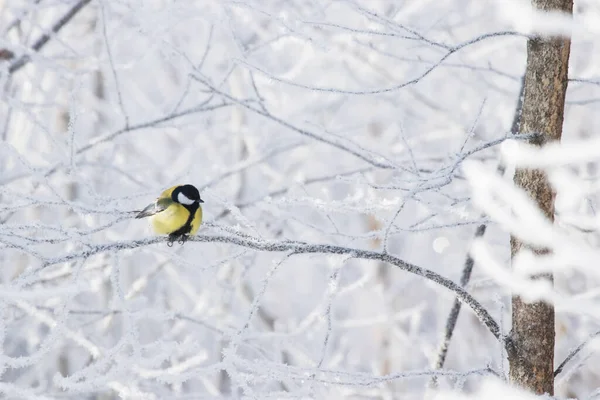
(17, 20)
(574, 352)
(45, 38)
(455, 310)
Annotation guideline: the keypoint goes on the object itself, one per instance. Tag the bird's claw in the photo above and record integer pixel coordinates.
(181, 239)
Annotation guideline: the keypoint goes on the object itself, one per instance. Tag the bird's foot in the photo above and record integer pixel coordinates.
(181, 239)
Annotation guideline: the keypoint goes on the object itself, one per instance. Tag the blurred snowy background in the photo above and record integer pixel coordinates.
(329, 122)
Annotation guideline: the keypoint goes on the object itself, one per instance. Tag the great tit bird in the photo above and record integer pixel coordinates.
(176, 212)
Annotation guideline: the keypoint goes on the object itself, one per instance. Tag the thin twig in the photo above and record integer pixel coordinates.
(113, 70)
(455, 311)
(374, 161)
(19, 18)
(329, 89)
(574, 352)
(154, 123)
(45, 38)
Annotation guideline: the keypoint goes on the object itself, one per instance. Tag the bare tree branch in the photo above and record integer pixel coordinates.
(295, 247)
(154, 123)
(45, 38)
(574, 352)
(17, 20)
(455, 310)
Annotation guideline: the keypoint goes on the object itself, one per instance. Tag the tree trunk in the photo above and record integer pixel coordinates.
(531, 357)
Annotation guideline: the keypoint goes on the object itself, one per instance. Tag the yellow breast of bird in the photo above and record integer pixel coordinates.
(173, 218)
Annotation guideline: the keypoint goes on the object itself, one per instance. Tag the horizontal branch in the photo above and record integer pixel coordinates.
(298, 247)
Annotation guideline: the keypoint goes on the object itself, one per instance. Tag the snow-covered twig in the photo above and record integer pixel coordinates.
(574, 352)
(45, 38)
(455, 310)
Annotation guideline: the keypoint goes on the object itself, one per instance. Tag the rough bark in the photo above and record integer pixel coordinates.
(531, 356)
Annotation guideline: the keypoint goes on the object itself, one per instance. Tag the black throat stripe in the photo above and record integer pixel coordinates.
(187, 227)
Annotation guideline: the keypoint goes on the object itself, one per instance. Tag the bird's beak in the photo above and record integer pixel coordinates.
(200, 201)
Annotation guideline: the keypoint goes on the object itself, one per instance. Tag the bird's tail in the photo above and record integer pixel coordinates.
(148, 211)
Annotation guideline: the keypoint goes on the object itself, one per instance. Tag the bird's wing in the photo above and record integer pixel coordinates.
(154, 208)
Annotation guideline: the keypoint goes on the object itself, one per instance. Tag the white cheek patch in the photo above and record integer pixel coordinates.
(183, 199)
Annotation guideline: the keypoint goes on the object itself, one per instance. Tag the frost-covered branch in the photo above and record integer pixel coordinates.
(450, 51)
(574, 352)
(315, 130)
(45, 38)
(295, 247)
(95, 351)
(455, 310)
(203, 107)
(376, 161)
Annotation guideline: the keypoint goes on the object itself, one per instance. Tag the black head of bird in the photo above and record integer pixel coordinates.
(186, 195)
